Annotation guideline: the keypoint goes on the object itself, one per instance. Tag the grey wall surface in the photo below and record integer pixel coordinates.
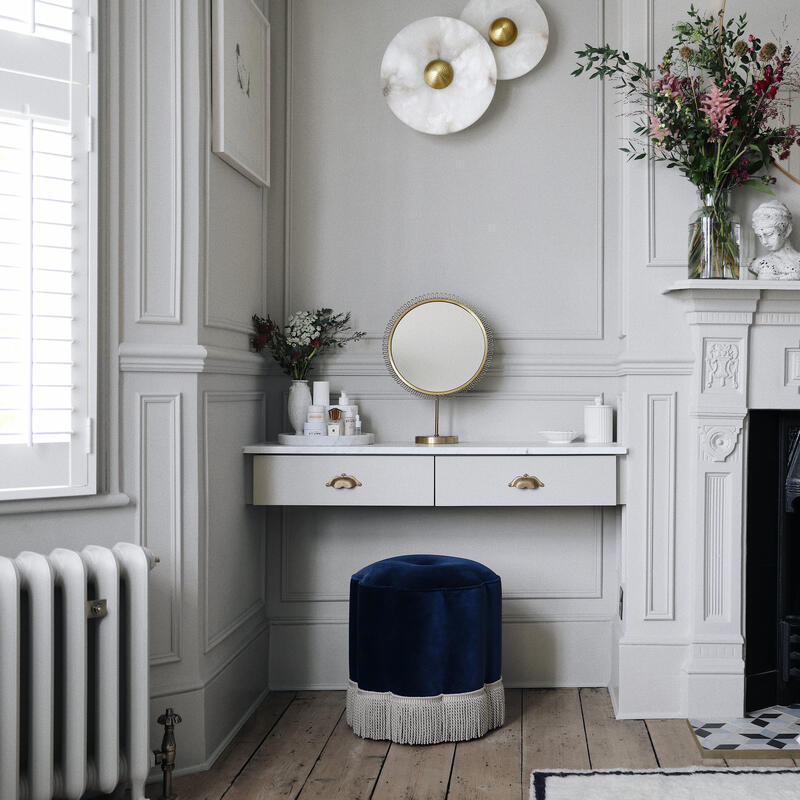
(182, 269)
(535, 217)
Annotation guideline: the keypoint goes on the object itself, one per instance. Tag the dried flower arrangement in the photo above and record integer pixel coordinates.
(307, 334)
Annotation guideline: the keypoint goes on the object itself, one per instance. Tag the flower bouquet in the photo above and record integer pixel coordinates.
(715, 109)
(307, 334)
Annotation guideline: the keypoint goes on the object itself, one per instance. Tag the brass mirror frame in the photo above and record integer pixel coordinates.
(418, 391)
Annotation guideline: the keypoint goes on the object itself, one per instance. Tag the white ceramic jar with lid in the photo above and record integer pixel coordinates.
(598, 422)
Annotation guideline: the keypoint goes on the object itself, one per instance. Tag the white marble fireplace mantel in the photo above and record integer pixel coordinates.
(746, 354)
(697, 284)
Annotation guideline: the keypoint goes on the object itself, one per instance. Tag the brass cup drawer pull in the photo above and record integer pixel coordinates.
(343, 481)
(526, 482)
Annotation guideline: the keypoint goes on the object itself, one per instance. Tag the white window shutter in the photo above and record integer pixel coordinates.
(48, 251)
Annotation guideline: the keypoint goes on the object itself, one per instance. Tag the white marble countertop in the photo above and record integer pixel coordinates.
(461, 449)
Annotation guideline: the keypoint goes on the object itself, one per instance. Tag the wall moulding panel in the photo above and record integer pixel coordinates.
(791, 374)
(321, 548)
(661, 500)
(657, 175)
(369, 216)
(306, 654)
(160, 519)
(234, 581)
(256, 609)
(233, 258)
(230, 285)
(160, 168)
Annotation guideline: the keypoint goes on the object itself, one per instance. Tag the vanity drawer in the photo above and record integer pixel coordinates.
(567, 480)
(299, 480)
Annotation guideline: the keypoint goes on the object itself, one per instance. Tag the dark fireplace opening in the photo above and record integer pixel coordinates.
(772, 576)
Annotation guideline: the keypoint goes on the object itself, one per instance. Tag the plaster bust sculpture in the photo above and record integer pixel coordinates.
(772, 224)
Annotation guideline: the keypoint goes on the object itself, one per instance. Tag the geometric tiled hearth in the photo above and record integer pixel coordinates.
(768, 731)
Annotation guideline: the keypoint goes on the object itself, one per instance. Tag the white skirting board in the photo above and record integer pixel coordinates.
(214, 712)
(313, 654)
(661, 681)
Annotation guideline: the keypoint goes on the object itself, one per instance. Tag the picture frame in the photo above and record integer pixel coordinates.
(240, 87)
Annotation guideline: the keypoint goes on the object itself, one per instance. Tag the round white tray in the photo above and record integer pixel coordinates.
(326, 441)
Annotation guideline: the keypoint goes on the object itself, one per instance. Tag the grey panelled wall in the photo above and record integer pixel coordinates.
(532, 215)
(183, 265)
(377, 213)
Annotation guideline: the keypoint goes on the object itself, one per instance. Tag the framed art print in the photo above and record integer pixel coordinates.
(240, 87)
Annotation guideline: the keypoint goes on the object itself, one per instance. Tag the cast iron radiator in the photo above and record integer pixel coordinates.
(74, 672)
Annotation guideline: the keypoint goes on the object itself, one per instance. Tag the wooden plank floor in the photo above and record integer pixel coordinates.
(298, 745)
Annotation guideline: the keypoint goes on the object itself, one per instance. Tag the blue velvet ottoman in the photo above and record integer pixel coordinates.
(425, 662)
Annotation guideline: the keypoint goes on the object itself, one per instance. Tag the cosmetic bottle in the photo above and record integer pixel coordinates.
(349, 423)
(334, 422)
(322, 393)
(347, 405)
(316, 428)
(358, 425)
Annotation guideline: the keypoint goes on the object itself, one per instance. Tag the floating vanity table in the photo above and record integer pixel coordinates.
(465, 474)
(436, 346)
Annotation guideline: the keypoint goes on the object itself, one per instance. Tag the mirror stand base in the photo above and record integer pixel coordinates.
(436, 439)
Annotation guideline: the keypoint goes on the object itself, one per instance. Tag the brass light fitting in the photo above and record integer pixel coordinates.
(503, 31)
(438, 74)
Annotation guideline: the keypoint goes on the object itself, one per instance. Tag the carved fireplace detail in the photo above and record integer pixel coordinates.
(730, 323)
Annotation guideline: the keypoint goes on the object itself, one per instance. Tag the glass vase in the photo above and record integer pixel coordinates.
(715, 238)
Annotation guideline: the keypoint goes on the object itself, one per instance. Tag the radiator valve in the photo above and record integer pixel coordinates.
(166, 755)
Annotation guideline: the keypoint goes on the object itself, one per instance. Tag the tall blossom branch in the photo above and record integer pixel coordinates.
(713, 106)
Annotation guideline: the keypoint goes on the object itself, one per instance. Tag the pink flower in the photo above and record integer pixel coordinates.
(717, 105)
(669, 85)
(657, 130)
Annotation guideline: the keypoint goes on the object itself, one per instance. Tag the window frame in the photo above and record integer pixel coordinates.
(85, 103)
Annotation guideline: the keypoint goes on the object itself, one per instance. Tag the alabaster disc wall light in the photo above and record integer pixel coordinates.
(439, 75)
(517, 31)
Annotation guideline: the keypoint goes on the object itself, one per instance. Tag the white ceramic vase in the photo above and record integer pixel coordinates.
(299, 401)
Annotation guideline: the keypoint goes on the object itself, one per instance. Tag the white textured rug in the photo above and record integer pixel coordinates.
(677, 784)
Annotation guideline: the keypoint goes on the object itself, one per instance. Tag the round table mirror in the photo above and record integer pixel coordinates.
(437, 346)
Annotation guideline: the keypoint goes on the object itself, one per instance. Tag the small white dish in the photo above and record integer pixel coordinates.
(559, 437)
